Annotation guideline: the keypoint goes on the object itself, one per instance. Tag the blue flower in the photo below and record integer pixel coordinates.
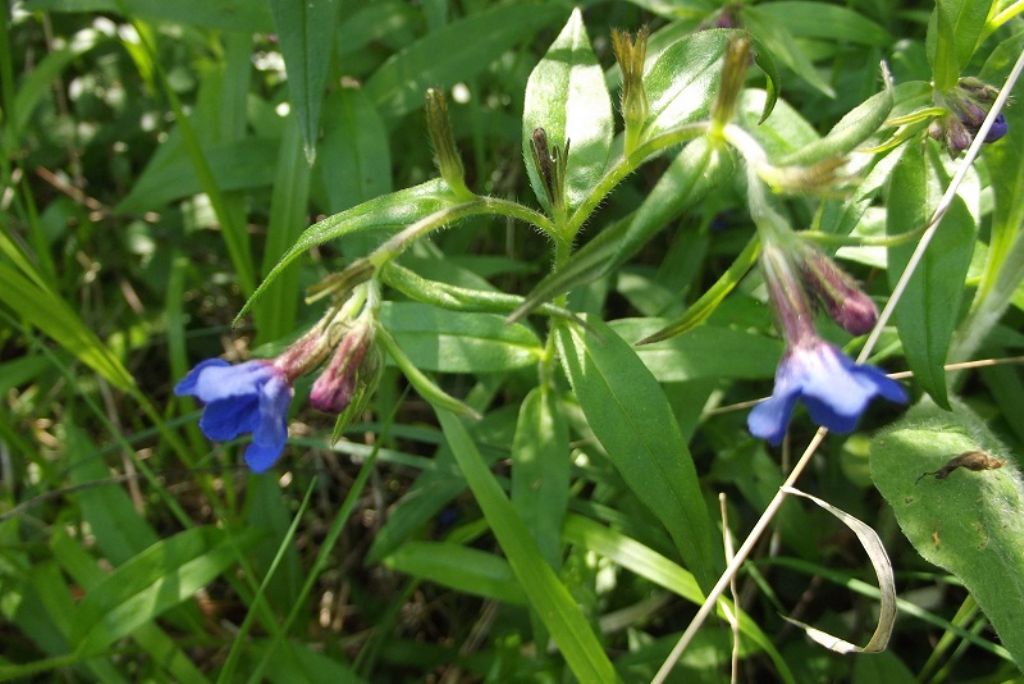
(250, 397)
(834, 388)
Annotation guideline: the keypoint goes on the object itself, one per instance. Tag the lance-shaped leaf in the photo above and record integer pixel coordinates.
(387, 211)
(159, 578)
(857, 126)
(630, 415)
(930, 307)
(549, 597)
(540, 470)
(305, 31)
(969, 522)
(682, 80)
(566, 95)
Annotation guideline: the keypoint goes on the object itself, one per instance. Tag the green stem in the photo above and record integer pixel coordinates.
(625, 166)
(428, 224)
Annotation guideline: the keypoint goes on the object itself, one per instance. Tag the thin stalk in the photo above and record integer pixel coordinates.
(627, 165)
(428, 224)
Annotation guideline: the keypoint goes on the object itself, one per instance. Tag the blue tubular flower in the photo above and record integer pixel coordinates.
(834, 388)
(250, 397)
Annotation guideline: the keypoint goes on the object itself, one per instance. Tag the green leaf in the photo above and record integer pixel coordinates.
(969, 523)
(701, 310)
(858, 125)
(629, 414)
(656, 568)
(43, 309)
(553, 603)
(454, 53)
(423, 385)
(161, 577)
(87, 573)
(229, 15)
(827, 22)
(463, 569)
(239, 165)
(682, 81)
(953, 35)
(566, 95)
(930, 307)
(388, 211)
(305, 31)
(456, 342)
(120, 532)
(773, 34)
(355, 158)
(540, 470)
(704, 352)
(275, 312)
(784, 132)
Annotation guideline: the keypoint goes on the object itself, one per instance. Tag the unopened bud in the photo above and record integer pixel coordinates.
(978, 89)
(837, 292)
(630, 55)
(551, 165)
(306, 353)
(969, 103)
(816, 178)
(998, 130)
(734, 75)
(787, 296)
(449, 163)
(336, 386)
(958, 138)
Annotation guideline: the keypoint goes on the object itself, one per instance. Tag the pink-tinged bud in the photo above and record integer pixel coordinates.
(305, 354)
(838, 293)
(337, 384)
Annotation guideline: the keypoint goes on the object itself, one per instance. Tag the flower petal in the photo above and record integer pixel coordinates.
(768, 420)
(260, 457)
(227, 418)
(271, 431)
(829, 381)
(187, 386)
(884, 385)
(216, 383)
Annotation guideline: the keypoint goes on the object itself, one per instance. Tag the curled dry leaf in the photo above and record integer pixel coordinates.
(886, 585)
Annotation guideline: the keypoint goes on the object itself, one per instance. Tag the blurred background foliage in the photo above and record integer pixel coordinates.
(155, 167)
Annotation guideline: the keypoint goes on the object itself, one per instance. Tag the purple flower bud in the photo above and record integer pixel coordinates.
(337, 384)
(838, 293)
(998, 130)
(958, 138)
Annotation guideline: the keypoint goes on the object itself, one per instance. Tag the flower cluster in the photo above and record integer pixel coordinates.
(835, 390)
(967, 105)
(254, 397)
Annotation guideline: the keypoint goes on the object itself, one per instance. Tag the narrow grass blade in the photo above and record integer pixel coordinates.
(548, 596)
